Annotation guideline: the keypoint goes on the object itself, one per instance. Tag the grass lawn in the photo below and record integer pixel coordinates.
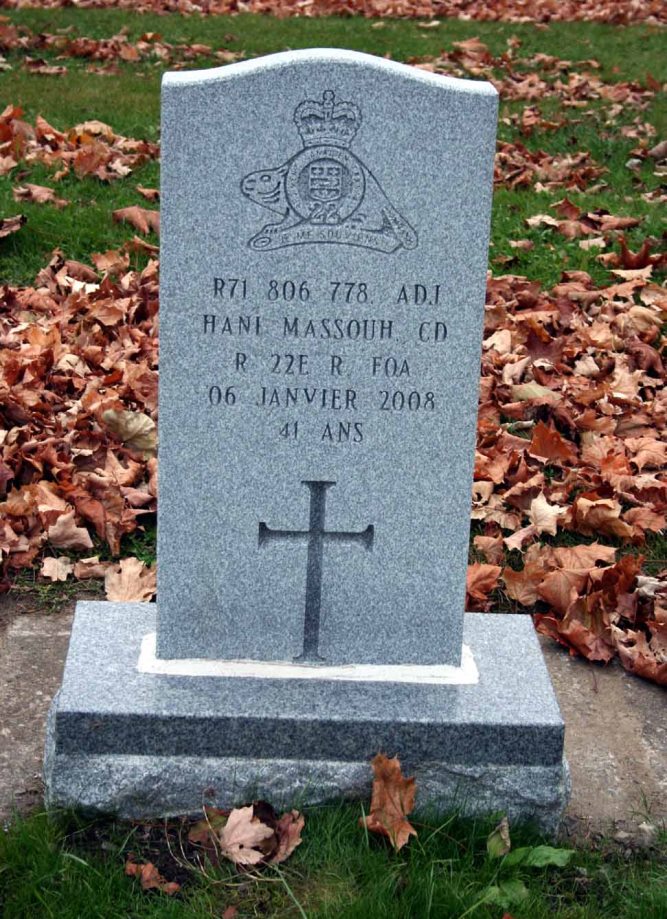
(68, 869)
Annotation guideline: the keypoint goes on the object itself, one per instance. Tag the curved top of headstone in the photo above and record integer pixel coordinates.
(286, 59)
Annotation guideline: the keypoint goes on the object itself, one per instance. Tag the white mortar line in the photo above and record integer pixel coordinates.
(437, 674)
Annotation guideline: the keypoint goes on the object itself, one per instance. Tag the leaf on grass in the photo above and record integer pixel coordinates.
(539, 857)
(498, 842)
(130, 581)
(392, 800)
(56, 569)
(243, 836)
(11, 224)
(506, 893)
(135, 429)
(150, 878)
(150, 194)
(140, 218)
(288, 832)
(38, 194)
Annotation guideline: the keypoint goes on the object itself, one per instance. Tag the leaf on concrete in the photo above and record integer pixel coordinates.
(392, 800)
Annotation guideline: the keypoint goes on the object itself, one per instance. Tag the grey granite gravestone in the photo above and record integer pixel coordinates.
(325, 222)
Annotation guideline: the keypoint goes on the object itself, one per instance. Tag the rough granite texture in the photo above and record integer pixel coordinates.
(342, 202)
(139, 744)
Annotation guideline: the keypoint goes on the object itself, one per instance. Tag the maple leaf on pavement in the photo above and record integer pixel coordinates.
(393, 798)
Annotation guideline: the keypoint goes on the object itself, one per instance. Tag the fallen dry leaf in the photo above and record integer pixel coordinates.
(38, 194)
(243, 836)
(56, 569)
(392, 800)
(130, 581)
(150, 878)
(65, 534)
(135, 429)
(142, 219)
(10, 225)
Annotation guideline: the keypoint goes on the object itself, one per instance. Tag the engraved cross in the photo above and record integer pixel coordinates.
(316, 536)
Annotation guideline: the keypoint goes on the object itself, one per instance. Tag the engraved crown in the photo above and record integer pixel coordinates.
(327, 122)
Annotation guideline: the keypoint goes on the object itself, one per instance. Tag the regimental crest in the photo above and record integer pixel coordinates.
(325, 194)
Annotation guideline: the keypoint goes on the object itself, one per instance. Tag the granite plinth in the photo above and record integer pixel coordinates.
(147, 745)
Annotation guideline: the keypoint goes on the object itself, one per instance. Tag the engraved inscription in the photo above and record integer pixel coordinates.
(324, 193)
(316, 536)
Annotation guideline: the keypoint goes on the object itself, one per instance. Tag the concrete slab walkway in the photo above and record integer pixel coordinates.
(616, 731)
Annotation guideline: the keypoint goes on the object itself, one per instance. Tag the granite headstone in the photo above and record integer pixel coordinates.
(325, 221)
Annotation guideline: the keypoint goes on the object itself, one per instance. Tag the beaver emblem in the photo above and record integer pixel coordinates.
(324, 193)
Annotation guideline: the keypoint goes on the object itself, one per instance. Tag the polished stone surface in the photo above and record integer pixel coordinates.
(325, 219)
(132, 742)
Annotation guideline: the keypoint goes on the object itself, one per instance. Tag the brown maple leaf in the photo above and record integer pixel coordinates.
(288, 832)
(392, 800)
(130, 581)
(243, 837)
(481, 579)
(645, 658)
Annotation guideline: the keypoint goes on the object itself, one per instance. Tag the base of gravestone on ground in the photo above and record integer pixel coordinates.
(148, 745)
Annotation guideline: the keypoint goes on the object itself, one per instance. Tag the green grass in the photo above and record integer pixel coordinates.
(67, 868)
(129, 102)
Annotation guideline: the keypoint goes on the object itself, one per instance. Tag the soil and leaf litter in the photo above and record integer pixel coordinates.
(570, 493)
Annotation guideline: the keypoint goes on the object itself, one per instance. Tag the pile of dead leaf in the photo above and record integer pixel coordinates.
(88, 149)
(104, 53)
(78, 400)
(616, 11)
(571, 440)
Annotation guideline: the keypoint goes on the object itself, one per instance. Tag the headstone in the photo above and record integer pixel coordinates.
(325, 222)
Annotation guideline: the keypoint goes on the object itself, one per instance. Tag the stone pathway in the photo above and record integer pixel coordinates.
(616, 731)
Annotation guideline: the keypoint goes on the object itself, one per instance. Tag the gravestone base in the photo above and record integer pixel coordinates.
(145, 745)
